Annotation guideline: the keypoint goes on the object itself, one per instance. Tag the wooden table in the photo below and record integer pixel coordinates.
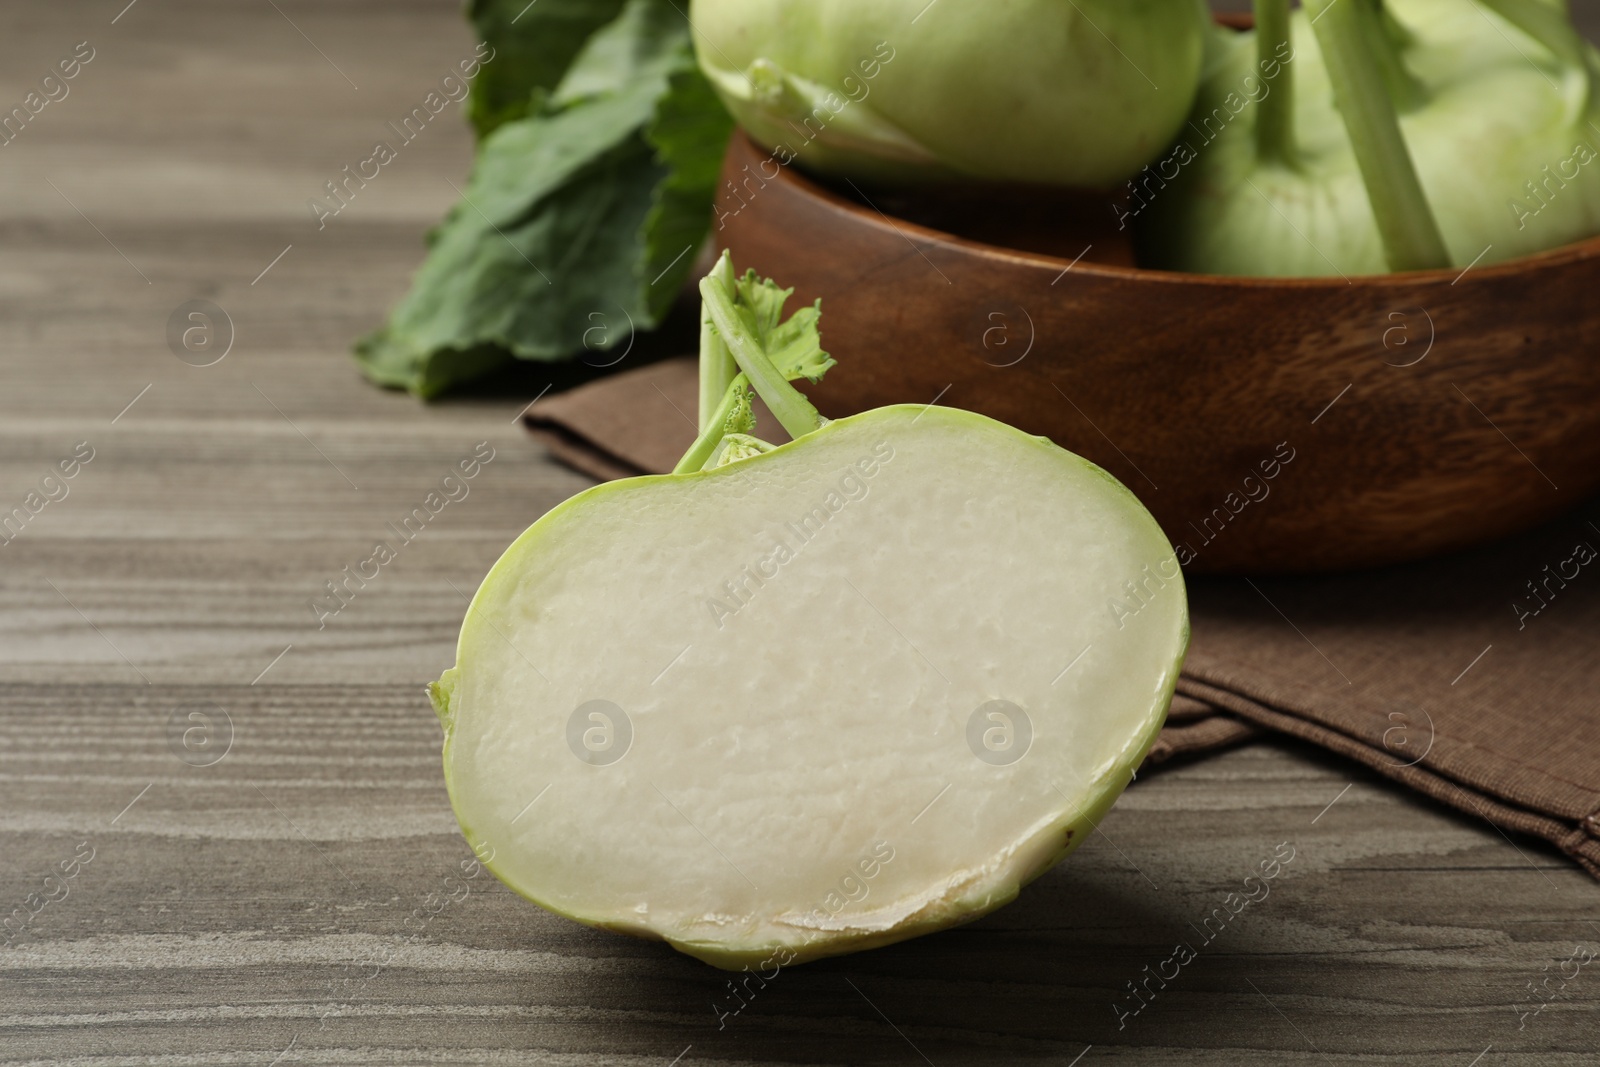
(261, 799)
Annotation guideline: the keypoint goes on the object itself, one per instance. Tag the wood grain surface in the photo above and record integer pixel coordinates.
(264, 868)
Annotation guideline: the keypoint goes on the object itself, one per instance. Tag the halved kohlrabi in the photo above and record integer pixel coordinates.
(817, 697)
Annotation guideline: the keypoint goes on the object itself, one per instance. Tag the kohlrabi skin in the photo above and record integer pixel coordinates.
(1290, 167)
(1064, 92)
(807, 699)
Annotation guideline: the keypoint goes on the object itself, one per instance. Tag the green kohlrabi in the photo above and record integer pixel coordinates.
(802, 699)
(1067, 92)
(1358, 137)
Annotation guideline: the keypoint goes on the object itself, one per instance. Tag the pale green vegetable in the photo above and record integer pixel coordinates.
(814, 697)
(1401, 136)
(1067, 92)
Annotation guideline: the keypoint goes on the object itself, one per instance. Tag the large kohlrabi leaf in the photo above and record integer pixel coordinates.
(586, 211)
(534, 42)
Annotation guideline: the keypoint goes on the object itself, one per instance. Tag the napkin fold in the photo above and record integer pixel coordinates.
(1472, 678)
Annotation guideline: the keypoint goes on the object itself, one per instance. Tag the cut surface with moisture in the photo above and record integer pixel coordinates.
(849, 691)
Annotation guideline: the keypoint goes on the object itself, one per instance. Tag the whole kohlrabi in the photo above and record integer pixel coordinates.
(1357, 137)
(1066, 92)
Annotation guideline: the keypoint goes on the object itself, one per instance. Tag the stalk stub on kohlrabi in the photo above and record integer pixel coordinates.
(1046, 91)
(803, 699)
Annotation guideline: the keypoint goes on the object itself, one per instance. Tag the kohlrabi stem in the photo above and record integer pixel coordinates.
(793, 411)
(713, 429)
(1275, 114)
(1411, 237)
(716, 362)
(1398, 32)
(1384, 37)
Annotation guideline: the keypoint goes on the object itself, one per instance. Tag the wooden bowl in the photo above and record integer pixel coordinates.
(1270, 425)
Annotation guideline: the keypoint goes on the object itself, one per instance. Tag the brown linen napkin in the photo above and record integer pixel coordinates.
(1474, 679)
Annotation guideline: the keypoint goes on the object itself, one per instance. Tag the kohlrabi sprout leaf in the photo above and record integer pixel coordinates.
(579, 222)
(791, 347)
(820, 697)
(1078, 93)
(1497, 113)
(737, 446)
(742, 415)
(760, 302)
(794, 344)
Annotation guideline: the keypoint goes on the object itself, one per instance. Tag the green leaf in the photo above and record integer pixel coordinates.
(794, 345)
(644, 45)
(760, 304)
(532, 288)
(534, 44)
(690, 135)
(568, 236)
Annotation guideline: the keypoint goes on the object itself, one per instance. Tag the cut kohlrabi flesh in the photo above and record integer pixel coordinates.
(838, 693)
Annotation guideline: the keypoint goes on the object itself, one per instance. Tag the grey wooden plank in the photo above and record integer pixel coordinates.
(220, 907)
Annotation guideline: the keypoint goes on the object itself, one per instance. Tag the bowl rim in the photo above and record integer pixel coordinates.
(874, 216)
